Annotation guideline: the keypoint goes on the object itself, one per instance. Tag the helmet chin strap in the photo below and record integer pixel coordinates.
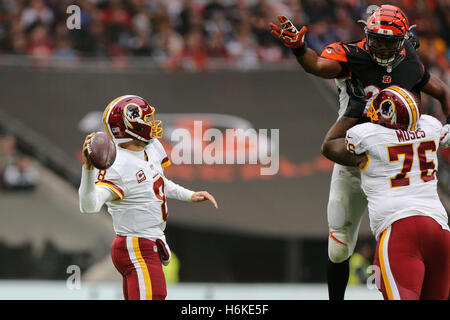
(136, 136)
(396, 63)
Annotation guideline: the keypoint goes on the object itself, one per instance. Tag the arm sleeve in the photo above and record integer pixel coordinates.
(336, 52)
(354, 141)
(92, 197)
(175, 191)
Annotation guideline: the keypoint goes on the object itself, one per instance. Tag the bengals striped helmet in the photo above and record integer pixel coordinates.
(386, 32)
(395, 108)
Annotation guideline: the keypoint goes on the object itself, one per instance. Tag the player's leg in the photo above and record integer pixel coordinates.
(399, 259)
(145, 277)
(125, 288)
(138, 262)
(346, 206)
(156, 278)
(120, 259)
(436, 246)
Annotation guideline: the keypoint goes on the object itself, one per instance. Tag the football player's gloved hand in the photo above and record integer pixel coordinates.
(357, 98)
(288, 33)
(414, 40)
(445, 136)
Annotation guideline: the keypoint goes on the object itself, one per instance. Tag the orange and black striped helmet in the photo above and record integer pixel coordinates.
(386, 32)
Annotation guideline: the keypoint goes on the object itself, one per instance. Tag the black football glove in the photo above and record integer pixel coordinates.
(357, 101)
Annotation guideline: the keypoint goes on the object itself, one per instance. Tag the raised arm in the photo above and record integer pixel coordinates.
(91, 198)
(436, 88)
(307, 58)
(175, 191)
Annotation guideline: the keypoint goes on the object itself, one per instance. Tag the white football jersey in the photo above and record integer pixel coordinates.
(137, 179)
(400, 176)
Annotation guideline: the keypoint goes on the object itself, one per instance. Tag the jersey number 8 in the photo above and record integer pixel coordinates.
(158, 189)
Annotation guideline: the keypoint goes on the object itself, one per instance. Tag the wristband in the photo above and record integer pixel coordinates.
(299, 51)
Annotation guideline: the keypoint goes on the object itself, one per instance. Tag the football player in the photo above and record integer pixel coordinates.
(135, 191)
(386, 56)
(397, 155)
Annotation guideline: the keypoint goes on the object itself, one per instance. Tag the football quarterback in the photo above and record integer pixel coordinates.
(135, 191)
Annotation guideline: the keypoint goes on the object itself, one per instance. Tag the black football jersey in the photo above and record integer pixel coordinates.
(356, 62)
(409, 74)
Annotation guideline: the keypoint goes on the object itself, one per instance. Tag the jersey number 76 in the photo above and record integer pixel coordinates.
(402, 179)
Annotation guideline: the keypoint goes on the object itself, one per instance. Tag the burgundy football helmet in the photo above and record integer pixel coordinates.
(131, 117)
(395, 108)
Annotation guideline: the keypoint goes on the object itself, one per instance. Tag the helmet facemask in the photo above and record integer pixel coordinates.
(141, 126)
(384, 49)
(395, 108)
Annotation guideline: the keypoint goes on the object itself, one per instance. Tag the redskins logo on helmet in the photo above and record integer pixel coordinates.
(131, 117)
(386, 29)
(395, 108)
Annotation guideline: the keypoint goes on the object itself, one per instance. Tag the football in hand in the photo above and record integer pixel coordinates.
(101, 151)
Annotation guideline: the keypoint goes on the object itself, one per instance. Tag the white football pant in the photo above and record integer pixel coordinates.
(347, 204)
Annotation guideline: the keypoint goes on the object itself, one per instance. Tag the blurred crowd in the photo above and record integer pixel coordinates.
(17, 171)
(191, 34)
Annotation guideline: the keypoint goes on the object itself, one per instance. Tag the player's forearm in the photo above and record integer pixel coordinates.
(444, 99)
(333, 146)
(91, 198)
(440, 91)
(315, 65)
(175, 191)
(335, 151)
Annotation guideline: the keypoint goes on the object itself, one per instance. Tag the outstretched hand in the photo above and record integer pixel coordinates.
(200, 196)
(288, 33)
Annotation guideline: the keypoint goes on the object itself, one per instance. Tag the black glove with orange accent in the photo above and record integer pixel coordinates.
(290, 36)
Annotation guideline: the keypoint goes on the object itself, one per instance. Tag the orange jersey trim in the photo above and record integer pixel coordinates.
(334, 51)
